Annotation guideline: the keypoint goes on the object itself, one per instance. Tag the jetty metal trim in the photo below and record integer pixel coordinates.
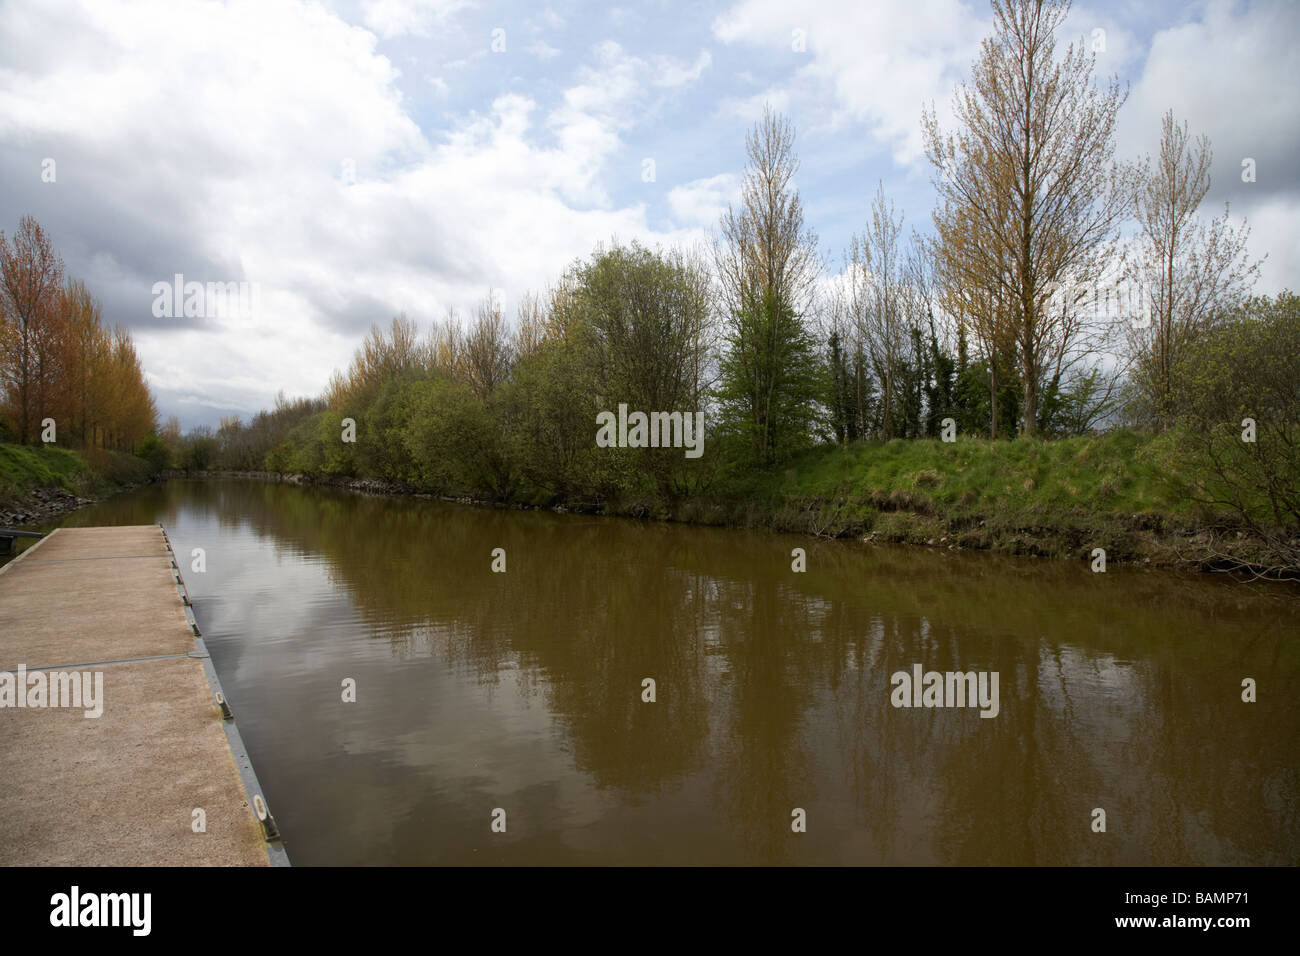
(84, 664)
(27, 551)
(102, 557)
(275, 852)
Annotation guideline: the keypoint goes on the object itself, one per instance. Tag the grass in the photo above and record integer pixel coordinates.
(1118, 472)
(25, 468)
(1060, 498)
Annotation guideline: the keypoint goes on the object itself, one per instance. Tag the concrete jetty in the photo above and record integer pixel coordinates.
(158, 777)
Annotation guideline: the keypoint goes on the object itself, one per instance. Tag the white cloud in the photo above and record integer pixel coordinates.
(1273, 232)
(231, 168)
(608, 98)
(670, 72)
(876, 64)
(750, 108)
(1230, 76)
(543, 50)
(395, 18)
(1116, 48)
(702, 201)
(220, 172)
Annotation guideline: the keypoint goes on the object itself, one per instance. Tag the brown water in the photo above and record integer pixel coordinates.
(523, 691)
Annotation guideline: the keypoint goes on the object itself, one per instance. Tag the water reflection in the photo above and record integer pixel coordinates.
(523, 691)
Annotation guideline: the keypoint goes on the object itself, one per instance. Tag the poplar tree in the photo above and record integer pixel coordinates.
(877, 300)
(1192, 273)
(767, 265)
(1030, 199)
(31, 279)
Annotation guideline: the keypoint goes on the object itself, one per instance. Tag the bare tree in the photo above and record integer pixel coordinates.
(849, 398)
(1030, 198)
(488, 355)
(764, 244)
(381, 358)
(1192, 273)
(877, 302)
(445, 345)
(530, 326)
(966, 292)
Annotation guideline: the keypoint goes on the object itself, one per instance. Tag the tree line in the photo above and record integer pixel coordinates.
(1009, 319)
(64, 374)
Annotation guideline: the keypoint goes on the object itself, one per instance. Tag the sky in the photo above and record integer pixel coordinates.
(351, 161)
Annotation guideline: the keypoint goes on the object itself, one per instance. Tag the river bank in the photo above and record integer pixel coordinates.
(41, 484)
(829, 496)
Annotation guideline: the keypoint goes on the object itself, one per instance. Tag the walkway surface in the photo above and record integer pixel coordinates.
(120, 789)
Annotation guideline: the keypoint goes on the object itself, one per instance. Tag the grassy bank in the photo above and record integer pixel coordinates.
(41, 481)
(1125, 492)
(1120, 491)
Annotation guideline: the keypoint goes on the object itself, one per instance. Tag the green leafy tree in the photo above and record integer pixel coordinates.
(647, 314)
(766, 260)
(1246, 367)
(455, 441)
(769, 379)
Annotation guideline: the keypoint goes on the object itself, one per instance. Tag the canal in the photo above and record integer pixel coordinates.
(399, 696)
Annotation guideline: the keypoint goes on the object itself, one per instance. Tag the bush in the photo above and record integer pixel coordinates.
(1239, 396)
(198, 450)
(155, 452)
